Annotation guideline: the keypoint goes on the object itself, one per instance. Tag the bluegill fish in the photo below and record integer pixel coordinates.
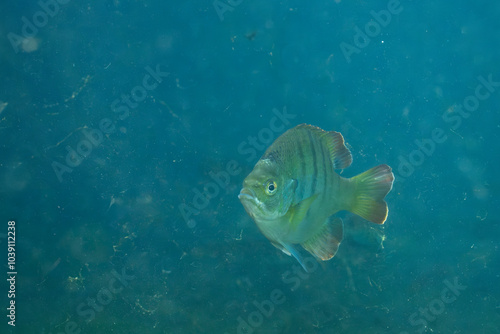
(293, 192)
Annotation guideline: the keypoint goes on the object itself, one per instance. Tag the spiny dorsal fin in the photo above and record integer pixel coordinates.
(324, 245)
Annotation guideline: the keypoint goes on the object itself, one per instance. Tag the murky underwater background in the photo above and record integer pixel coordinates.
(119, 118)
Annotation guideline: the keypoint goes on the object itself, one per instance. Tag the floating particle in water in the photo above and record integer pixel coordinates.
(30, 44)
(482, 214)
(2, 106)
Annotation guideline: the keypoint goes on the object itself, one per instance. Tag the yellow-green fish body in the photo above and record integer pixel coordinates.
(293, 191)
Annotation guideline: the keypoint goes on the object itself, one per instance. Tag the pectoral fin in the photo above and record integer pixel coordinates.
(325, 243)
(298, 212)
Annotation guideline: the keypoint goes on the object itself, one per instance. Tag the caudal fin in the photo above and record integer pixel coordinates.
(370, 190)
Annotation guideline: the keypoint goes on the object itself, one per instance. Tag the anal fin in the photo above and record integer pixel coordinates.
(324, 244)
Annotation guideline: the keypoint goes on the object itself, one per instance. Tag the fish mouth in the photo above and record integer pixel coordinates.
(247, 195)
(250, 202)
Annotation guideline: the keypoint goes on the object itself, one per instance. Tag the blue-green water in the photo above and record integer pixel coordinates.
(118, 119)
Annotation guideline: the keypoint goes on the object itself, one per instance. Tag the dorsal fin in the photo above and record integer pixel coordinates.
(339, 154)
(334, 142)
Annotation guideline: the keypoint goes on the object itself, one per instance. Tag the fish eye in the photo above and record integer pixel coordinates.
(271, 187)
